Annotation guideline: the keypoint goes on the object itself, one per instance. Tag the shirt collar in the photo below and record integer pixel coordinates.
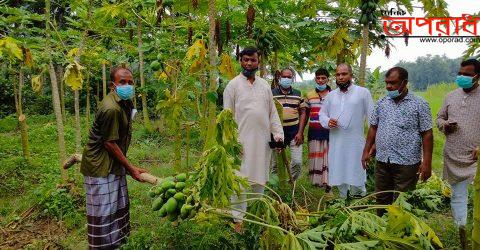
(280, 90)
(115, 96)
(246, 79)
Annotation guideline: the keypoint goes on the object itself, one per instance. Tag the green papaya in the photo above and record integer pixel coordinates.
(192, 213)
(155, 65)
(159, 56)
(168, 184)
(171, 205)
(172, 191)
(182, 177)
(162, 212)
(183, 212)
(151, 193)
(179, 197)
(189, 199)
(158, 190)
(157, 204)
(180, 185)
(188, 207)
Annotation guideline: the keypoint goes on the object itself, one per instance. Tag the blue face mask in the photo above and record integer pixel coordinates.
(464, 82)
(286, 83)
(125, 92)
(321, 87)
(393, 93)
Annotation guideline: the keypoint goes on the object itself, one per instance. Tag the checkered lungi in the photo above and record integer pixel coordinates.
(318, 162)
(108, 217)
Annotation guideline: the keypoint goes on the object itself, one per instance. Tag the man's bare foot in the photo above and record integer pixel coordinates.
(239, 227)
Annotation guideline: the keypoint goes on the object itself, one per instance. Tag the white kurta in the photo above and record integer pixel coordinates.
(257, 117)
(346, 144)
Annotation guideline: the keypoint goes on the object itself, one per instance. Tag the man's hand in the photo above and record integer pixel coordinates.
(135, 173)
(332, 123)
(449, 128)
(365, 158)
(424, 171)
(298, 139)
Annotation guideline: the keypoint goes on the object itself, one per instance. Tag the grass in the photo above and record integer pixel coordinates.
(25, 183)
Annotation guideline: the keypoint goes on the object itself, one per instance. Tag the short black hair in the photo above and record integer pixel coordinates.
(249, 51)
(114, 70)
(473, 62)
(402, 73)
(322, 71)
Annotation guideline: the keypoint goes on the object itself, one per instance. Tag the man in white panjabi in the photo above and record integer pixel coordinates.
(250, 98)
(345, 111)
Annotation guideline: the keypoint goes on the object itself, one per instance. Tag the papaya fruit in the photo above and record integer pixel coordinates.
(157, 204)
(183, 212)
(172, 191)
(182, 177)
(179, 197)
(171, 205)
(162, 212)
(168, 184)
(158, 190)
(155, 65)
(189, 199)
(151, 193)
(179, 186)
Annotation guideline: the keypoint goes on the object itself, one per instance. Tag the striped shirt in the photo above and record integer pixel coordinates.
(292, 102)
(315, 130)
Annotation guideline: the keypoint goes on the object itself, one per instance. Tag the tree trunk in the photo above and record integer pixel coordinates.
(263, 66)
(22, 120)
(104, 79)
(55, 96)
(61, 86)
(275, 61)
(212, 55)
(78, 131)
(87, 106)
(363, 56)
(146, 118)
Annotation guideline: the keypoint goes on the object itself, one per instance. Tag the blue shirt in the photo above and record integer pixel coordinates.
(399, 126)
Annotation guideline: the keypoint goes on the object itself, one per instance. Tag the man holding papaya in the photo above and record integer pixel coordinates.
(104, 165)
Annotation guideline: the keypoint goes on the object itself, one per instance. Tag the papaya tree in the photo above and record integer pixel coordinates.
(55, 94)
(17, 55)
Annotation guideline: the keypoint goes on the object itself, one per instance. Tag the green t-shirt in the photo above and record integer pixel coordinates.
(112, 123)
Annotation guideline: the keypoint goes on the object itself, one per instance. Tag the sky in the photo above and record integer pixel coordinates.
(399, 51)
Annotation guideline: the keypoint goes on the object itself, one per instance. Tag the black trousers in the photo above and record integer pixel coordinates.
(389, 176)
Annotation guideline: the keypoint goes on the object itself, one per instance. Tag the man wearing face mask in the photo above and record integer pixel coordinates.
(250, 98)
(401, 126)
(104, 165)
(318, 135)
(344, 113)
(294, 119)
(459, 120)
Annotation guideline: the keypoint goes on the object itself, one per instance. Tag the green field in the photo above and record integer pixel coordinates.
(36, 215)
